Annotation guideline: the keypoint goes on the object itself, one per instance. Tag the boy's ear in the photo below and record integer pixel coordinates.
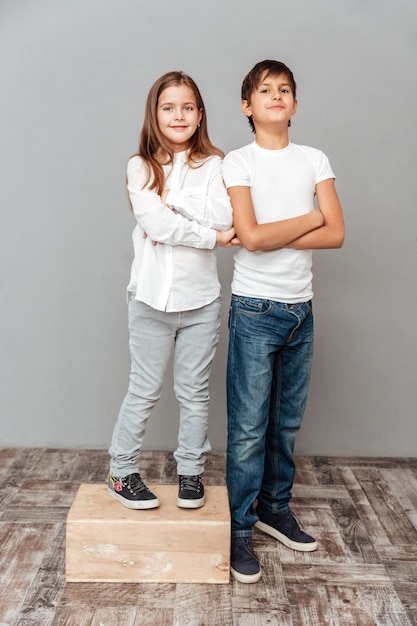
(246, 108)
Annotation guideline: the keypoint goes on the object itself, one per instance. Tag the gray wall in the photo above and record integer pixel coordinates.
(74, 76)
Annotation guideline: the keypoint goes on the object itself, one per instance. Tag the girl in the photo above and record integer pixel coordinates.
(182, 211)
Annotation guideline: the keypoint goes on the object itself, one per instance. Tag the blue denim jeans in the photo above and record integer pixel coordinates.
(153, 334)
(268, 374)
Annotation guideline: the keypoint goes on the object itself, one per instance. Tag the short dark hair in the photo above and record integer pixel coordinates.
(262, 70)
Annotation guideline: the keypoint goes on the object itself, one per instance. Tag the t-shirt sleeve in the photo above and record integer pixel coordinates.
(235, 170)
(323, 168)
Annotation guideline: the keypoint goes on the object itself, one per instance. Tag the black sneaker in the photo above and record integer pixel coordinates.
(190, 492)
(285, 528)
(131, 492)
(244, 565)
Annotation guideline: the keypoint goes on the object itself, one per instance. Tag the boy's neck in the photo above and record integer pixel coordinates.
(272, 140)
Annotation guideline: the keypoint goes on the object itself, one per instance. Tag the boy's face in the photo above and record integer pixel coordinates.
(272, 101)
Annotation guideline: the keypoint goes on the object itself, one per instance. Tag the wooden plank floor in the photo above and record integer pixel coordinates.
(363, 512)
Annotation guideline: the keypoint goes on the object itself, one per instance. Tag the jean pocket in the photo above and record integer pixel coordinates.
(308, 307)
(252, 306)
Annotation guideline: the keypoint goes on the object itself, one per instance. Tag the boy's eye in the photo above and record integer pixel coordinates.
(264, 90)
(284, 90)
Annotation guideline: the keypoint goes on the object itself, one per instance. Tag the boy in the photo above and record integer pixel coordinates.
(272, 184)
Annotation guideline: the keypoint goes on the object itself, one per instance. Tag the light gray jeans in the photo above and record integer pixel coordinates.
(194, 336)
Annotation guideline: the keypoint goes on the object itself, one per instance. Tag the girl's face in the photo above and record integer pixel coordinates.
(178, 116)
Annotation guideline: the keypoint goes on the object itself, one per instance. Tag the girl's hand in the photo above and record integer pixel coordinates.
(226, 238)
(153, 242)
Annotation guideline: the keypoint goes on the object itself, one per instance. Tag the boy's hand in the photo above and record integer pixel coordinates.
(318, 218)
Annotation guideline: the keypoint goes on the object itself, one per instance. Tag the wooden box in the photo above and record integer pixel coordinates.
(108, 542)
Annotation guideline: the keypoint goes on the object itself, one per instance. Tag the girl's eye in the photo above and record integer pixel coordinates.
(167, 108)
(189, 108)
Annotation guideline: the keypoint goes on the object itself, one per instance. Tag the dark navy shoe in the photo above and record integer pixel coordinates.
(131, 492)
(285, 528)
(244, 565)
(190, 491)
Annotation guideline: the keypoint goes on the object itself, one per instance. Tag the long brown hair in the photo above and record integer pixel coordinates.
(154, 148)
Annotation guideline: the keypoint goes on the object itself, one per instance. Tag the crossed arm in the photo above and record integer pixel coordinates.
(208, 204)
(323, 228)
(163, 225)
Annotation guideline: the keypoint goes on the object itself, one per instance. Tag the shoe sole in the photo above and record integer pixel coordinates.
(190, 504)
(134, 504)
(245, 578)
(294, 545)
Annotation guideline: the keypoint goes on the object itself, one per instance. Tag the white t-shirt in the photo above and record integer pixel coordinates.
(282, 185)
(179, 273)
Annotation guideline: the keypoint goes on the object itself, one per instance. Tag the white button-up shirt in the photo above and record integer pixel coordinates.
(179, 273)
